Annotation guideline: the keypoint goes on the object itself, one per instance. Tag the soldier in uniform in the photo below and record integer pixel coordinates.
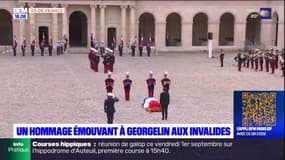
(58, 48)
(150, 84)
(165, 82)
(239, 59)
(112, 61)
(102, 48)
(33, 44)
(247, 59)
(282, 64)
(23, 46)
(121, 45)
(109, 107)
(148, 47)
(109, 83)
(50, 46)
(276, 57)
(113, 44)
(141, 46)
(272, 61)
(164, 101)
(127, 86)
(94, 59)
(65, 40)
(251, 55)
(255, 58)
(266, 59)
(222, 54)
(133, 47)
(42, 46)
(261, 60)
(92, 41)
(15, 44)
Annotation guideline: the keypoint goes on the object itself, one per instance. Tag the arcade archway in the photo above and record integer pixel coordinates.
(200, 30)
(78, 29)
(6, 27)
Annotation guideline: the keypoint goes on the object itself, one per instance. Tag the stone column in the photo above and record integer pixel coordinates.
(132, 24)
(265, 33)
(22, 28)
(93, 19)
(123, 21)
(280, 38)
(214, 28)
(64, 21)
(160, 36)
(102, 23)
(32, 24)
(239, 34)
(54, 25)
(186, 35)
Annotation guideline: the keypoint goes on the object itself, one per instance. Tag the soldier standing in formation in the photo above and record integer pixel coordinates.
(276, 54)
(113, 44)
(109, 107)
(65, 42)
(127, 86)
(15, 43)
(58, 48)
(266, 58)
(141, 46)
(109, 83)
(164, 102)
(165, 82)
(42, 46)
(256, 60)
(251, 59)
(92, 44)
(261, 60)
(94, 59)
(150, 84)
(222, 54)
(272, 60)
(121, 45)
(33, 44)
(133, 47)
(23, 46)
(239, 59)
(112, 61)
(50, 46)
(102, 48)
(148, 47)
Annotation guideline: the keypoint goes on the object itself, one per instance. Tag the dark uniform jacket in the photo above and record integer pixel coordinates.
(109, 106)
(164, 98)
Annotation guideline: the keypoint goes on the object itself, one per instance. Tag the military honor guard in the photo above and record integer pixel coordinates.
(266, 58)
(42, 46)
(148, 47)
(94, 59)
(109, 107)
(50, 46)
(109, 83)
(222, 54)
(33, 44)
(121, 46)
(164, 102)
(239, 59)
(256, 59)
(150, 84)
(261, 60)
(133, 46)
(272, 60)
(276, 54)
(251, 57)
(247, 59)
(165, 82)
(113, 44)
(141, 43)
(92, 41)
(23, 46)
(14, 46)
(127, 83)
(102, 48)
(58, 48)
(65, 40)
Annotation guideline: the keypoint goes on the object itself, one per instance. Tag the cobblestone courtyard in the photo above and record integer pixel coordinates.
(65, 90)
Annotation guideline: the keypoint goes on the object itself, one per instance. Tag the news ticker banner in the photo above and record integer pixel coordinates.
(259, 114)
(125, 131)
(141, 149)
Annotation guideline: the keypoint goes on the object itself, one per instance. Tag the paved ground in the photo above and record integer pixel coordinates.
(64, 90)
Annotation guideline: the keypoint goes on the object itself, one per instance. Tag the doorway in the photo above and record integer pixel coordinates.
(43, 30)
(111, 35)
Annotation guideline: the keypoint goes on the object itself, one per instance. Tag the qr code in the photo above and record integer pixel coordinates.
(258, 109)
